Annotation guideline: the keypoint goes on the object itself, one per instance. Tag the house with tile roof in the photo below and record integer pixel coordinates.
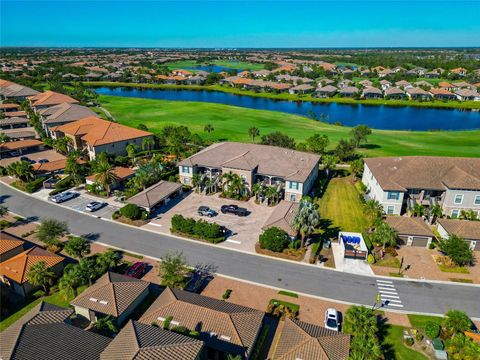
(112, 295)
(11, 90)
(224, 327)
(156, 195)
(301, 340)
(14, 271)
(294, 172)
(399, 183)
(45, 333)
(282, 217)
(142, 341)
(62, 114)
(412, 231)
(10, 246)
(468, 230)
(93, 135)
(49, 98)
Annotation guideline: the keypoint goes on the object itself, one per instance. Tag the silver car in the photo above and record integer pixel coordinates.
(332, 319)
(94, 206)
(67, 195)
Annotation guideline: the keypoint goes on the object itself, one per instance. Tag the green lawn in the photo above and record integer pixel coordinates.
(228, 64)
(393, 341)
(419, 321)
(56, 299)
(232, 123)
(341, 204)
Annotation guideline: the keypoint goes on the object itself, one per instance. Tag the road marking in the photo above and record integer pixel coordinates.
(396, 305)
(395, 301)
(385, 281)
(386, 288)
(233, 241)
(389, 296)
(385, 285)
(388, 292)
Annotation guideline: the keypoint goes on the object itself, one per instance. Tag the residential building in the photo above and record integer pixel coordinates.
(141, 341)
(10, 246)
(372, 93)
(418, 94)
(14, 271)
(301, 89)
(467, 94)
(442, 94)
(395, 93)
(468, 230)
(11, 90)
(399, 183)
(293, 171)
(224, 327)
(122, 174)
(156, 195)
(21, 147)
(283, 217)
(93, 136)
(13, 123)
(326, 91)
(348, 91)
(49, 98)
(45, 333)
(62, 114)
(112, 295)
(412, 231)
(301, 340)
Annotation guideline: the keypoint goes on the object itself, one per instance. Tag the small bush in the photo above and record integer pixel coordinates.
(226, 294)
(180, 329)
(199, 229)
(34, 185)
(166, 322)
(432, 330)
(274, 239)
(409, 341)
(5, 224)
(432, 246)
(194, 333)
(131, 211)
(371, 259)
(419, 336)
(116, 215)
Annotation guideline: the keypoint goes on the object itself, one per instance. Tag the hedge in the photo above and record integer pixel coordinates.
(274, 239)
(29, 187)
(197, 229)
(131, 211)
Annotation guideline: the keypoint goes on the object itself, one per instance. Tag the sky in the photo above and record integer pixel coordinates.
(240, 24)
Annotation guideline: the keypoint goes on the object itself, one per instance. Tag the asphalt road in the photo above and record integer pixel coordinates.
(411, 295)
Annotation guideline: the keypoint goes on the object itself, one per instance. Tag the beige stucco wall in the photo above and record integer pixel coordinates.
(117, 148)
(244, 174)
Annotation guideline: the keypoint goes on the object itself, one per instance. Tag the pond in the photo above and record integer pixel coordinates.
(377, 117)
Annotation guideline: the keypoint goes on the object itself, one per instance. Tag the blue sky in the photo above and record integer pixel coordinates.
(260, 23)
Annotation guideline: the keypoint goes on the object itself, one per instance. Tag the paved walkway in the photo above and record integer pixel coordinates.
(349, 265)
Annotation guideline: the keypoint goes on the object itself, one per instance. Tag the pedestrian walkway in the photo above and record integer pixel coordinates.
(353, 266)
(388, 294)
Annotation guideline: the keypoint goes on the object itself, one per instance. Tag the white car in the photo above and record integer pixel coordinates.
(67, 195)
(94, 206)
(332, 319)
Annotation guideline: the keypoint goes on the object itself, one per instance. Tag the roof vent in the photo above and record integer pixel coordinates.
(93, 299)
(225, 337)
(103, 302)
(161, 318)
(212, 334)
(175, 323)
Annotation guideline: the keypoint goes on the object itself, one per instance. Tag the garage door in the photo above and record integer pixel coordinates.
(403, 239)
(420, 241)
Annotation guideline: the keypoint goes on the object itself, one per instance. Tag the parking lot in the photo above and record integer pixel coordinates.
(244, 230)
(50, 155)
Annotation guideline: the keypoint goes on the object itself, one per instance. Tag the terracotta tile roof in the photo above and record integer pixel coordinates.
(43, 333)
(113, 293)
(9, 106)
(282, 217)
(9, 242)
(21, 144)
(264, 159)
(50, 98)
(409, 226)
(469, 230)
(155, 194)
(18, 267)
(16, 113)
(222, 325)
(119, 171)
(140, 341)
(445, 84)
(425, 172)
(441, 91)
(97, 132)
(52, 166)
(300, 340)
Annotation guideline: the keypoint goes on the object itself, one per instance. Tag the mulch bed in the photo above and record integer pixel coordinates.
(297, 255)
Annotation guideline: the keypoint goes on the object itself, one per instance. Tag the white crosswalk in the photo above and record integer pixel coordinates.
(388, 294)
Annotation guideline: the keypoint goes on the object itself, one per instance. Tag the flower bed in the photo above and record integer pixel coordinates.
(290, 254)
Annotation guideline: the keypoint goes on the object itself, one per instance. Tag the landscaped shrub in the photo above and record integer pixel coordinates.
(419, 336)
(116, 215)
(199, 229)
(182, 224)
(131, 211)
(409, 341)
(432, 330)
(371, 259)
(274, 239)
(458, 250)
(34, 185)
(180, 329)
(314, 252)
(5, 224)
(166, 322)
(226, 294)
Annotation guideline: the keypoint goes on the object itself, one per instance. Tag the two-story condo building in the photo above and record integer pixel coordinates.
(292, 170)
(399, 183)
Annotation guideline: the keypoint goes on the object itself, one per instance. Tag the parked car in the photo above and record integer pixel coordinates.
(233, 209)
(43, 161)
(14, 153)
(67, 195)
(94, 206)
(137, 270)
(332, 319)
(27, 159)
(198, 281)
(206, 211)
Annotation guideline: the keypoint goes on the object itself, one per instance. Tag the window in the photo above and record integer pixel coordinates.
(455, 213)
(458, 199)
(477, 200)
(390, 209)
(293, 197)
(293, 185)
(393, 195)
(185, 169)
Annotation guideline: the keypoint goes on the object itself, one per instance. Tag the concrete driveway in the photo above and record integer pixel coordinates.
(245, 230)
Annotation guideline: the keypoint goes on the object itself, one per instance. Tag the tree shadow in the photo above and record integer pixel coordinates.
(91, 236)
(3, 198)
(369, 146)
(383, 327)
(329, 231)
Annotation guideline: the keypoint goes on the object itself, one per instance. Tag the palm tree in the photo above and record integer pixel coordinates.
(271, 194)
(4, 138)
(131, 150)
(148, 144)
(104, 174)
(23, 170)
(73, 168)
(436, 212)
(108, 260)
(3, 210)
(374, 211)
(468, 215)
(307, 219)
(61, 145)
(105, 325)
(69, 282)
(418, 210)
(253, 132)
(385, 235)
(227, 180)
(208, 128)
(40, 275)
(329, 163)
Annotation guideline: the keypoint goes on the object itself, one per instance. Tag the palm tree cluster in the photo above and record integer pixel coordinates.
(234, 186)
(271, 194)
(22, 170)
(208, 183)
(307, 219)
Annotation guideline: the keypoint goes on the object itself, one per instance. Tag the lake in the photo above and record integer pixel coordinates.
(377, 117)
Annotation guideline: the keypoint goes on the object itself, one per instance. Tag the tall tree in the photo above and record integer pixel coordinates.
(360, 134)
(74, 168)
(280, 139)
(385, 235)
(307, 219)
(23, 170)
(105, 175)
(253, 132)
(77, 246)
(40, 275)
(345, 149)
(329, 163)
(108, 260)
(147, 144)
(3, 211)
(173, 270)
(50, 231)
(361, 323)
(317, 143)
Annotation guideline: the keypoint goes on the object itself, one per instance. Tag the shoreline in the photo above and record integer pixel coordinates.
(435, 104)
